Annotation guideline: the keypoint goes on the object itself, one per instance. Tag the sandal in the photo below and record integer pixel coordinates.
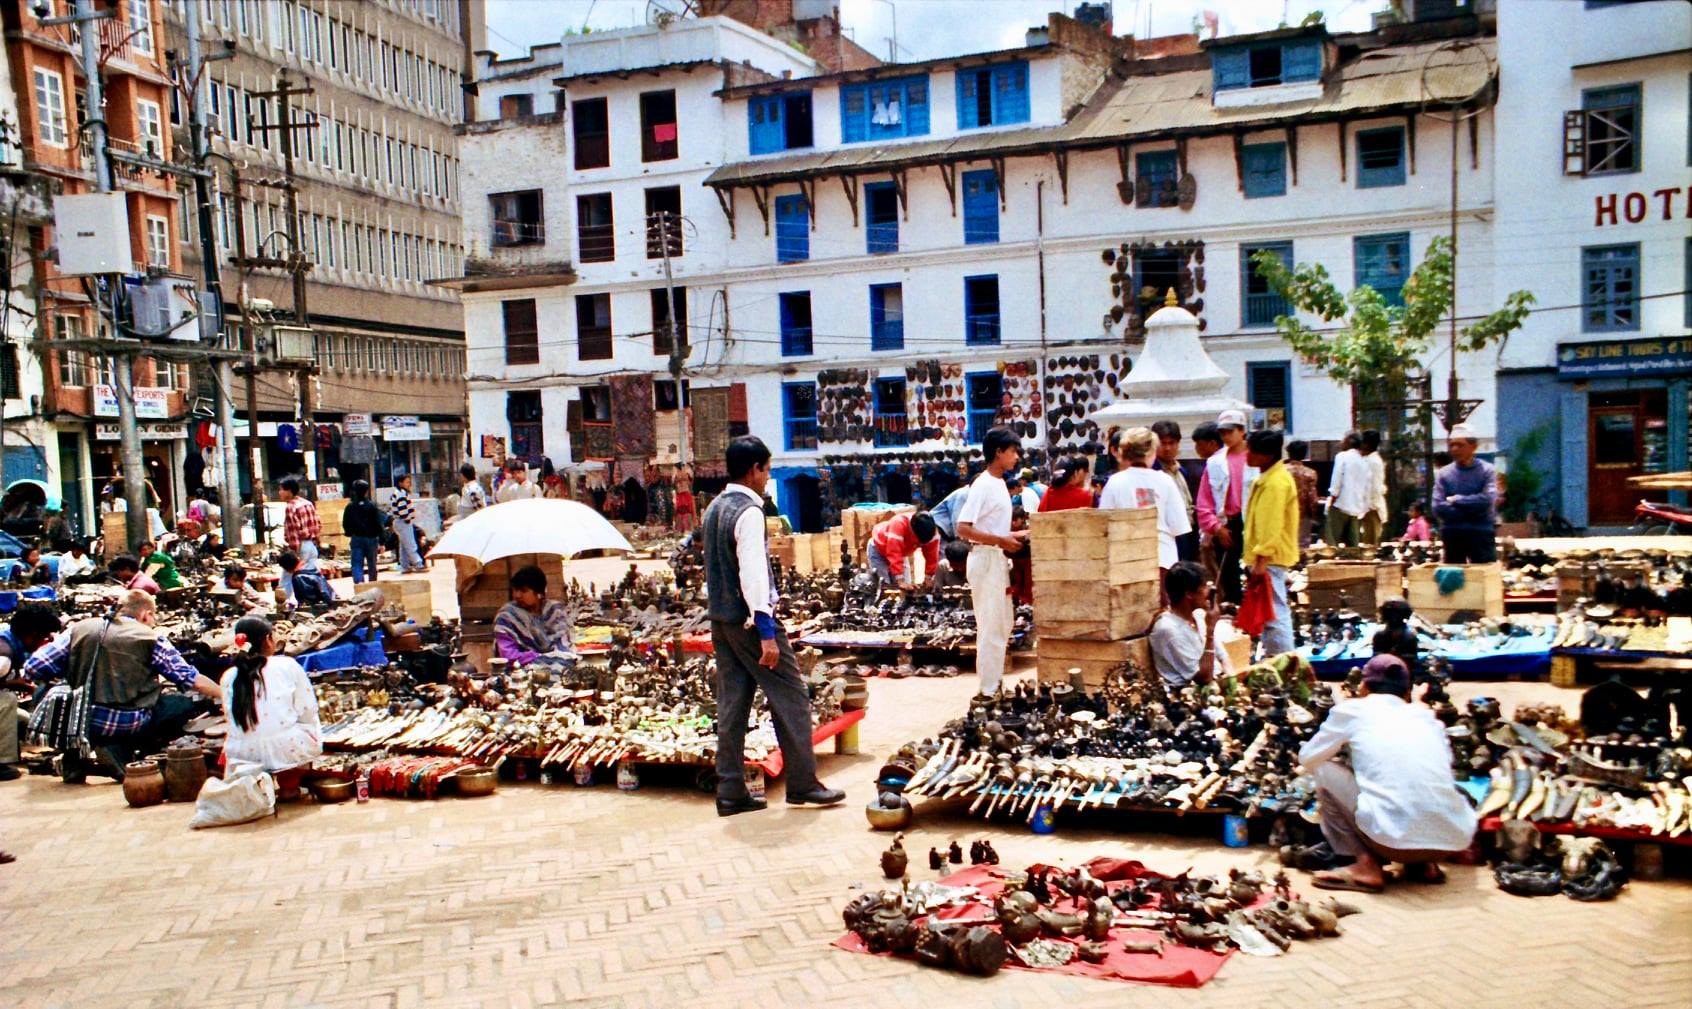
(1344, 881)
(1428, 873)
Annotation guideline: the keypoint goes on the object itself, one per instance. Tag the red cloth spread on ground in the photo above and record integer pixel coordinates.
(773, 763)
(1177, 966)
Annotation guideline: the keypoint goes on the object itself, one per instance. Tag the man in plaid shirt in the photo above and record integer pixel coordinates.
(300, 525)
(129, 713)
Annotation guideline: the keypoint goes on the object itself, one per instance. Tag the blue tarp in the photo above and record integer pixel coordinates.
(1485, 657)
(9, 600)
(351, 655)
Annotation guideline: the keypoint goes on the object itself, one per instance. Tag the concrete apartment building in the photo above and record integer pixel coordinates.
(379, 206)
(1597, 211)
(893, 258)
(75, 417)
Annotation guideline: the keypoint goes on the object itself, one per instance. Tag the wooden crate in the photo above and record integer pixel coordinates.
(410, 593)
(1096, 659)
(856, 526)
(1089, 611)
(114, 535)
(784, 552)
(1364, 585)
(333, 535)
(483, 589)
(1482, 592)
(1579, 579)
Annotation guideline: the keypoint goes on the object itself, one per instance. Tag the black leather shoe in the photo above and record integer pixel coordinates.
(817, 797)
(731, 807)
(71, 769)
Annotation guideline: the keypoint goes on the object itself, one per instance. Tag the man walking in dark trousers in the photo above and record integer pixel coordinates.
(751, 647)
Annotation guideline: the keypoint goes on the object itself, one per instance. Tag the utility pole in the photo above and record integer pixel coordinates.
(678, 335)
(243, 263)
(223, 391)
(285, 127)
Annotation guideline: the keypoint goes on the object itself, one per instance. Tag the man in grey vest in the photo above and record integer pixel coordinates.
(129, 713)
(751, 647)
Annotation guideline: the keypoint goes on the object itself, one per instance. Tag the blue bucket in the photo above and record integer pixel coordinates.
(1236, 831)
(1045, 820)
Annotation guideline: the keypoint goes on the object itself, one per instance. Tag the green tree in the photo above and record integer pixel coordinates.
(1377, 348)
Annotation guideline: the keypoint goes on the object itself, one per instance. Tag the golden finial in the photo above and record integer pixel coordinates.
(1169, 299)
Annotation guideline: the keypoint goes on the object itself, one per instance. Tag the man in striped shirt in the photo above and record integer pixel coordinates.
(404, 515)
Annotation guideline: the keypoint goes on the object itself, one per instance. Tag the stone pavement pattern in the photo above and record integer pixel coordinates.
(542, 896)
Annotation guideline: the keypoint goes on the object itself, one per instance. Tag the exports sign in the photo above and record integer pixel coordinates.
(151, 403)
(1625, 358)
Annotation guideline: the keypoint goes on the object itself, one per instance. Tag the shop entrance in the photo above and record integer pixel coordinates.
(801, 501)
(1627, 436)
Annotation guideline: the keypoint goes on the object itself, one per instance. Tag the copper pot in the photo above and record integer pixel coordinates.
(184, 773)
(143, 784)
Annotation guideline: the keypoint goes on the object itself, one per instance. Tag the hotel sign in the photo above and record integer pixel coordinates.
(1625, 358)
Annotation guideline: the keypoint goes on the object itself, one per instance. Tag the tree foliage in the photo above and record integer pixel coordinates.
(1378, 341)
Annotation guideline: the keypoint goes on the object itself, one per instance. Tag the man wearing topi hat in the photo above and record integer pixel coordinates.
(1396, 802)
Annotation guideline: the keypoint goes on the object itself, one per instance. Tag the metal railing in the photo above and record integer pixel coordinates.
(801, 433)
(795, 341)
(981, 328)
(888, 334)
(1263, 309)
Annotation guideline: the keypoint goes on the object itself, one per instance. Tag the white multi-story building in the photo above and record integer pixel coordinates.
(1596, 211)
(898, 257)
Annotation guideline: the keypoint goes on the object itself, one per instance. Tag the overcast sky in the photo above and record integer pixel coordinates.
(930, 28)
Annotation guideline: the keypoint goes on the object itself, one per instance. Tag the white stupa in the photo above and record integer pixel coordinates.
(1172, 379)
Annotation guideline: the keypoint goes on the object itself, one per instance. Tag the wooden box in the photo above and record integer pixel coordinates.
(856, 526)
(483, 589)
(783, 551)
(1579, 579)
(1094, 612)
(1363, 584)
(1482, 594)
(410, 593)
(1095, 573)
(114, 535)
(1096, 659)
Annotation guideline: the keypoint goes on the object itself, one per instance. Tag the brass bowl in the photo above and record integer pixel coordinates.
(477, 781)
(332, 790)
(882, 818)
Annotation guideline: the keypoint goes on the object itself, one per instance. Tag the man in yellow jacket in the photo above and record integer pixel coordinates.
(1271, 533)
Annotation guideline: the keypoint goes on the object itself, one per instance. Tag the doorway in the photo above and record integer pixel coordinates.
(801, 500)
(1627, 436)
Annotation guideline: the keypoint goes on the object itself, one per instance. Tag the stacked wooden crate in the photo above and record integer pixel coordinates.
(1356, 585)
(484, 588)
(1481, 594)
(410, 593)
(333, 538)
(1096, 590)
(857, 524)
(806, 553)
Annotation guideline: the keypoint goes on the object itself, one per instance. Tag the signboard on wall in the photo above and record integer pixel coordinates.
(1625, 358)
(358, 423)
(397, 427)
(151, 402)
(149, 432)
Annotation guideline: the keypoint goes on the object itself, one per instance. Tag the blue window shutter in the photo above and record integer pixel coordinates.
(1010, 94)
(854, 114)
(981, 207)
(764, 124)
(1301, 60)
(1260, 304)
(793, 229)
(916, 107)
(1380, 157)
(1383, 263)
(968, 81)
(1265, 169)
(1231, 67)
(881, 215)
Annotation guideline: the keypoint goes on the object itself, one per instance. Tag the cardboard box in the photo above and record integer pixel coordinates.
(1096, 659)
(1482, 594)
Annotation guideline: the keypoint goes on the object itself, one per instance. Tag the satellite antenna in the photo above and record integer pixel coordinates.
(665, 12)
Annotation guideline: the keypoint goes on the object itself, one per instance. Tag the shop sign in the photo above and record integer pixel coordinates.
(1629, 358)
(1635, 207)
(151, 402)
(169, 431)
(404, 428)
(358, 423)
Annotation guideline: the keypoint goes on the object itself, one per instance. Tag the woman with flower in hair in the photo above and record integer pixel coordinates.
(272, 709)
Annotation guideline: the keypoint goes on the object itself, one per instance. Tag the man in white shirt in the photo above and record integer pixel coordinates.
(1374, 520)
(751, 648)
(1183, 640)
(517, 486)
(472, 498)
(1397, 802)
(1136, 485)
(984, 522)
(1350, 493)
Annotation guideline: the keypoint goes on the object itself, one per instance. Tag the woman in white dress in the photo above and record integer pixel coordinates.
(272, 709)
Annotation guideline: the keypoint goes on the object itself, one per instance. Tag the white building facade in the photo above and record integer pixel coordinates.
(897, 258)
(1598, 207)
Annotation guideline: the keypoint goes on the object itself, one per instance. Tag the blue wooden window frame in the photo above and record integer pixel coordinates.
(1383, 262)
(1006, 95)
(881, 217)
(1265, 167)
(793, 228)
(862, 104)
(887, 327)
(799, 415)
(1161, 170)
(796, 338)
(1259, 303)
(1295, 61)
(981, 207)
(1383, 164)
(1609, 288)
(981, 319)
(770, 125)
(891, 430)
(1255, 369)
(983, 393)
(1615, 128)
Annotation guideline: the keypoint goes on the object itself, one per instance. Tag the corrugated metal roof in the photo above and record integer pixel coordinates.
(1179, 103)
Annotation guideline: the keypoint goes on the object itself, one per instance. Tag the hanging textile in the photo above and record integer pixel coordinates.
(710, 424)
(633, 424)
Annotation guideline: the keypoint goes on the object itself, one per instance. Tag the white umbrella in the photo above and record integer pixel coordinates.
(530, 526)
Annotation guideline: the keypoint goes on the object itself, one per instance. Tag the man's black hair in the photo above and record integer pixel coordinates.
(1208, 431)
(745, 454)
(997, 440)
(35, 620)
(529, 577)
(234, 571)
(291, 485)
(1167, 429)
(1183, 577)
(922, 524)
(289, 560)
(467, 471)
(1265, 443)
(361, 488)
(124, 562)
(957, 554)
(1371, 439)
(1298, 449)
